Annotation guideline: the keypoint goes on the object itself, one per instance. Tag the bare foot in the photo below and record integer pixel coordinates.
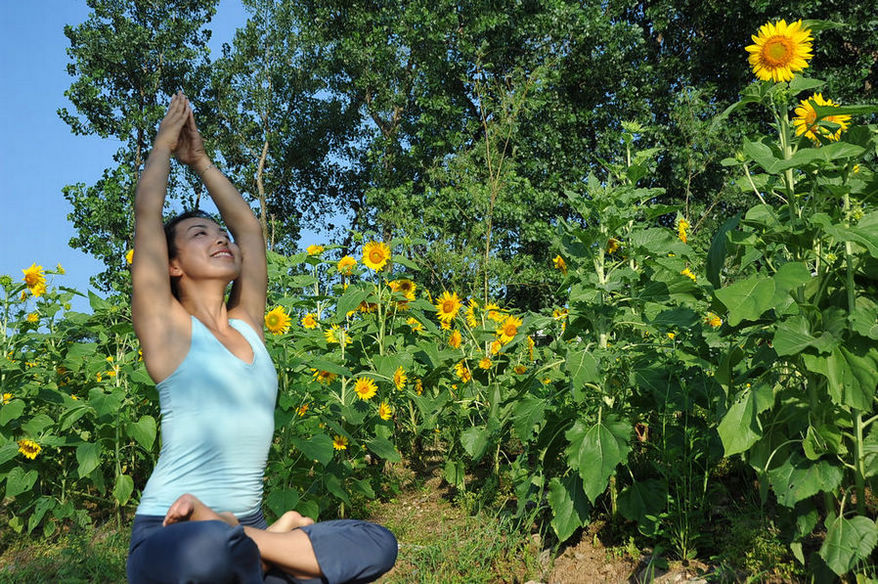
(289, 521)
(189, 508)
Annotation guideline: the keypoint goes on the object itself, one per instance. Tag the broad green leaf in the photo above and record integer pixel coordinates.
(792, 336)
(569, 506)
(864, 318)
(740, 427)
(43, 505)
(18, 481)
(582, 368)
(362, 487)
(801, 83)
(455, 473)
(143, 431)
(8, 452)
(761, 154)
(747, 299)
(36, 425)
(596, 451)
(797, 478)
(870, 451)
(528, 412)
(847, 542)
(334, 486)
(350, 300)
(88, 457)
(318, 447)
(123, 488)
(824, 439)
(11, 411)
(716, 256)
(384, 448)
(852, 372)
(787, 279)
(474, 440)
(282, 500)
(680, 317)
(325, 365)
(642, 498)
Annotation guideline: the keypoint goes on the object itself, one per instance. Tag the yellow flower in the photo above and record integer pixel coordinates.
(415, 324)
(277, 321)
(302, 409)
(448, 306)
(375, 255)
(682, 226)
(29, 448)
(463, 372)
(7, 397)
(73, 396)
(109, 359)
(672, 336)
(335, 334)
(399, 378)
(855, 169)
(547, 380)
(485, 363)
(346, 265)
(560, 314)
(713, 320)
(612, 245)
(23, 296)
(494, 312)
(780, 50)
(99, 377)
(60, 269)
(309, 321)
(34, 278)
(496, 346)
(560, 264)
(455, 339)
(129, 256)
(688, 273)
(508, 329)
(33, 317)
(520, 369)
(384, 411)
(323, 377)
(807, 123)
(365, 388)
(110, 373)
(419, 386)
(339, 442)
(445, 325)
(530, 348)
(314, 249)
(405, 287)
(38, 290)
(471, 314)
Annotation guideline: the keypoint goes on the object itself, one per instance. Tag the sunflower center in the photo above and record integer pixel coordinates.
(778, 51)
(376, 256)
(273, 320)
(510, 330)
(448, 306)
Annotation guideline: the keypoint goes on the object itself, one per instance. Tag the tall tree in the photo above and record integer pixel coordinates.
(127, 58)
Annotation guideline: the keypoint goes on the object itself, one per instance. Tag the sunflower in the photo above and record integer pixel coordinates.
(323, 377)
(494, 313)
(448, 306)
(508, 329)
(530, 348)
(375, 255)
(780, 50)
(29, 448)
(713, 320)
(807, 123)
(560, 264)
(485, 363)
(455, 339)
(33, 317)
(520, 369)
(399, 377)
(335, 334)
(34, 278)
(277, 321)
(129, 257)
(496, 346)
(405, 287)
(302, 409)
(384, 411)
(419, 386)
(315, 249)
(415, 324)
(471, 319)
(38, 290)
(682, 226)
(346, 265)
(365, 388)
(340, 442)
(463, 372)
(688, 273)
(7, 397)
(309, 321)
(612, 245)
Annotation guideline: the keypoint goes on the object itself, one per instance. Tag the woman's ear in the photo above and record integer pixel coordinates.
(174, 269)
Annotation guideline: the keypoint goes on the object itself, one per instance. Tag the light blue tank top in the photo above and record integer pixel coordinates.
(217, 426)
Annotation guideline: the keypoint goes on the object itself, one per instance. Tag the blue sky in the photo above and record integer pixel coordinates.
(38, 153)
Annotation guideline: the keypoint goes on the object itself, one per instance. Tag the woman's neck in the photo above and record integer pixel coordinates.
(207, 303)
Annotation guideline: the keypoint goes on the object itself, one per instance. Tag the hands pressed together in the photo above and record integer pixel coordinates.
(179, 135)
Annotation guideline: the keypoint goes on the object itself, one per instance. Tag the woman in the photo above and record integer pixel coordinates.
(200, 519)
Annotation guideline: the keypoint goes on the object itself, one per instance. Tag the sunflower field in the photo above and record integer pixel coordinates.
(665, 366)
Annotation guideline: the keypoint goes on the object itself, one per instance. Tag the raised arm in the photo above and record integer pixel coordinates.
(247, 298)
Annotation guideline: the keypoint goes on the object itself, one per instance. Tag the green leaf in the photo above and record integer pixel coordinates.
(11, 411)
(747, 299)
(282, 500)
(143, 431)
(740, 427)
(455, 473)
(847, 542)
(384, 448)
(797, 478)
(334, 486)
(18, 481)
(852, 371)
(318, 448)
(642, 498)
(123, 488)
(596, 451)
(864, 318)
(528, 412)
(801, 83)
(324, 365)
(474, 440)
(8, 451)
(569, 506)
(762, 155)
(43, 505)
(582, 368)
(716, 256)
(88, 457)
(349, 301)
(792, 336)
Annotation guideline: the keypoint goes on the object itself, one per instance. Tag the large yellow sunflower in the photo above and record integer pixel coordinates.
(309, 321)
(463, 372)
(323, 377)
(335, 334)
(339, 442)
(780, 50)
(346, 265)
(34, 278)
(807, 123)
(447, 306)
(29, 448)
(277, 321)
(375, 255)
(405, 287)
(399, 377)
(508, 329)
(455, 339)
(365, 388)
(385, 411)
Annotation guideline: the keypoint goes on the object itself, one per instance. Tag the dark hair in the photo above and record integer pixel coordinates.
(171, 235)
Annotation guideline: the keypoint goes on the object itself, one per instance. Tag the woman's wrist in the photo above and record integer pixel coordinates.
(203, 166)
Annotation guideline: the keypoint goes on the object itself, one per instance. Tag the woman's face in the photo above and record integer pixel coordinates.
(204, 250)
